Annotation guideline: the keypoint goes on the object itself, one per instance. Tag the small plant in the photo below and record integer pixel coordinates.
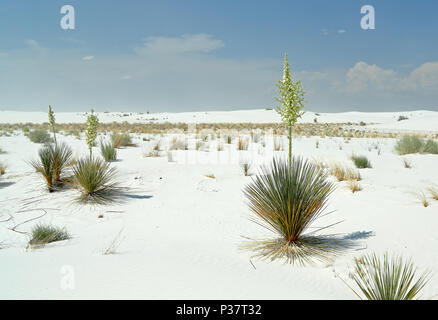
(95, 179)
(108, 151)
(361, 162)
(422, 198)
(246, 167)
(42, 234)
(242, 144)
(433, 192)
(388, 278)
(3, 167)
(409, 144)
(121, 140)
(431, 147)
(401, 118)
(210, 175)
(39, 136)
(407, 163)
(343, 173)
(354, 186)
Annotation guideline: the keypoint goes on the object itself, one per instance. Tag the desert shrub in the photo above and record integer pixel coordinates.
(430, 146)
(287, 199)
(409, 144)
(44, 165)
(42, 234)
(388, 278)
(108, 151)
(121, 140)
(39, 136)
(361, 162)
(95, 179)
(401, 118)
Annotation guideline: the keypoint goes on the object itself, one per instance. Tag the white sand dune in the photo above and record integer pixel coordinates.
(181, 232)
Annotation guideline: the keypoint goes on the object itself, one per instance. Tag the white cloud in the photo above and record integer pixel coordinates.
(364, 77)
(127, 77)
(324, 32)
(342, 31)
(86, 58)
(186, 43)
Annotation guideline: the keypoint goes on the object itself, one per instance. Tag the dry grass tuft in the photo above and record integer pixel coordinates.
(354, 186)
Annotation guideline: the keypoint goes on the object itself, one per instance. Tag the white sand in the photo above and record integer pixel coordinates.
(182, 231)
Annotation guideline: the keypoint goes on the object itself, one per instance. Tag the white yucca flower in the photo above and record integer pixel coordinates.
(91, 130)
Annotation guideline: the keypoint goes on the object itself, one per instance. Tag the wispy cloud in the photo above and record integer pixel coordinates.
(86, 58)
(186, 43)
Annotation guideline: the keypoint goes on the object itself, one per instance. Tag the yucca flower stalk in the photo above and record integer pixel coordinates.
(388, 278)
(291, 101)
(91, 131)
(52, 121)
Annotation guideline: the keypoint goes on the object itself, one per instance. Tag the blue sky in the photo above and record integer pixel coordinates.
(217, 55)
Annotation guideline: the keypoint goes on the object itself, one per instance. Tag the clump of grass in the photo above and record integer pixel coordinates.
(42, 234)
(343, 173)
(246, 167)
(354, 186)
(287, 199)
(361, 162)
(210, 175)
(433, 192)
(431, 147)
(108, 151)
(422, 198)
(242, 144)
(3, 167)
(388, 278)
(121, 140)
(407, 163)
(413, 144)
(95, 179)
(39, 136)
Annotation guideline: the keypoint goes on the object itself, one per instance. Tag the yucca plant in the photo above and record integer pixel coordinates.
(108, 151)
(42, 234)
(288, 198)
(44, 165)
(91, 130)
(95, 179)
(61, 159)
(388, 278)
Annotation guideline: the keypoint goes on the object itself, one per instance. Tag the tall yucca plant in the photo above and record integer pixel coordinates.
(52, 122)
(291, 101)
(388, 278)
(288, 197)
(91, 130)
